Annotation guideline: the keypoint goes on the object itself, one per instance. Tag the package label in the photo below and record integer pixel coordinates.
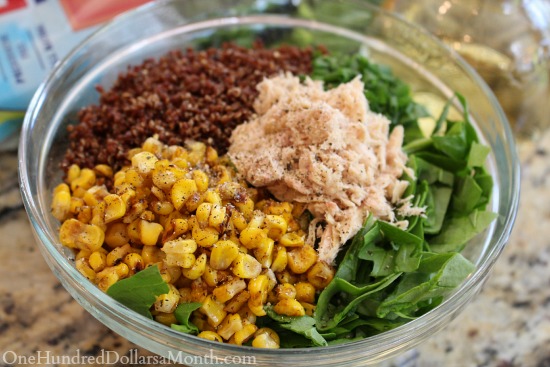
(35, 35)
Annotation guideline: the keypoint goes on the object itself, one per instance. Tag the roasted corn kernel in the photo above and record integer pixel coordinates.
(229, 289)
(230, 325)
(166, 318)
(276, 226)
(61, 203)
(257, 288)
(85, 180)
(180, 252)
(151, 255)
(205, 237)
(247, 315)
(266, 338)
(197, 269)
(286, 290)
(280, 259)
(246, 266)
(98, 216)
(201, 180)
(244, 334)
(72, 173)
(223, 254)
(144, 162)
(237, 302)
(320, 274)
(168, 302)
(116, 235)
(289, 307)
(301, 259)
(103, 170)
(162, 207)
(85, 269)
(135, 262)
(217, 216)
(210, 335)
(264, 252)
(292, 239)
(149, 232)
(213, 310)
(305, 292)
(213, 197)
(115, 208)
(75, 234)
(97, 261)
(182, 191)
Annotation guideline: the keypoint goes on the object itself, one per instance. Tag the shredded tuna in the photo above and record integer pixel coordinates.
(325, 149)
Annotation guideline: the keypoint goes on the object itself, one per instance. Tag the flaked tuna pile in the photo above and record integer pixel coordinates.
(325, 149)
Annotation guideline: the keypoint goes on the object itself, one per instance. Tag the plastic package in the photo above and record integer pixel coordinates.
(34, 36)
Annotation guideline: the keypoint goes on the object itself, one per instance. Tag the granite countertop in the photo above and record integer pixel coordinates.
(508, 323)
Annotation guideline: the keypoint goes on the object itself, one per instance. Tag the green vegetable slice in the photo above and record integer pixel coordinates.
(301, 325)
(140, 291)
(457, 231)
(183, 313)
(437, 275)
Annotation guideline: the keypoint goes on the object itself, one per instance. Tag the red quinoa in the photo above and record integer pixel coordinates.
(200, 95)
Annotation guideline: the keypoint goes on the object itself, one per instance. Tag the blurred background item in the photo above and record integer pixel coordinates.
(34, 36)
(506, 41)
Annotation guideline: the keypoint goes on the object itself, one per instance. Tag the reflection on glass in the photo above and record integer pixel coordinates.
(506, 41)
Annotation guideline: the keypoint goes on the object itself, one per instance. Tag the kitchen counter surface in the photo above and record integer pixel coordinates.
(508, 324)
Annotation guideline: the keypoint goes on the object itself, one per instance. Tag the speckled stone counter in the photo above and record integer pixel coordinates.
(508, 324)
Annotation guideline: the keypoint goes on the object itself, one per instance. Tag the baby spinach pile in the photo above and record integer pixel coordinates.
(385, 276)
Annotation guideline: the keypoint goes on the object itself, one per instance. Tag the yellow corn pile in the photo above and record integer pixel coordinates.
(215, 240)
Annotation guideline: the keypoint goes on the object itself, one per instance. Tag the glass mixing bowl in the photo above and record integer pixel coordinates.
(347, 26)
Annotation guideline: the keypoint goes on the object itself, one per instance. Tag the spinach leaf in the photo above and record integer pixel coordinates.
(454, 143)
(301, 325)
(478, 154)
(436, 276)
(468, 195)
(347, 328)
(485, 182)
(403, 257)
(442, 161)
(140, 291)
(457, 231)
(432, 173)
(348, 267)
(329, 317)
(183, 313)
(437, 203)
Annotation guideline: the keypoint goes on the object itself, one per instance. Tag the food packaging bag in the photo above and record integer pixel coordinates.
(34, 36)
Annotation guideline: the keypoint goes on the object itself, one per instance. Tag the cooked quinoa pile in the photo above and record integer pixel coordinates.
(198, 95)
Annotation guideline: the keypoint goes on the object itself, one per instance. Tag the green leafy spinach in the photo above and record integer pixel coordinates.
(140, 291)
